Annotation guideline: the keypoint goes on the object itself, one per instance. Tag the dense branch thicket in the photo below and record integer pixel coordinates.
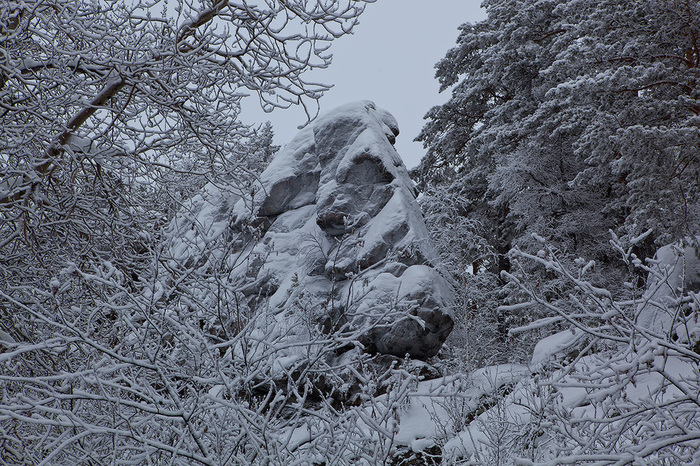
(618, 386)
(102, 98)
(111, 115)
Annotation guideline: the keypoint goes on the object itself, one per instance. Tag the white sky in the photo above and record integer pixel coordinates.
(390, 60)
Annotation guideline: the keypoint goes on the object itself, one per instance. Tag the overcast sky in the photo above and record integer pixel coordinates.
(390, 60)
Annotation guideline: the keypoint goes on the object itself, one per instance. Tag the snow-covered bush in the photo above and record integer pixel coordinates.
(617, 386)
(138, 379)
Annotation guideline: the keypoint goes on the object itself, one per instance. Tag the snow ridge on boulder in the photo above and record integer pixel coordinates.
(673, 287)
(332, 232)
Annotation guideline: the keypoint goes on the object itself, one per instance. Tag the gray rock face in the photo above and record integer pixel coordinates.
(332, 238)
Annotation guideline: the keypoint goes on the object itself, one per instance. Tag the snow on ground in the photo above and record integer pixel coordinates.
(605, 390)
(441, 406)
(553, 346)
(432, 411)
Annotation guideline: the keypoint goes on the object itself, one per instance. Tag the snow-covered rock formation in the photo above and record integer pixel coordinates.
(330, 237)
(673, 289)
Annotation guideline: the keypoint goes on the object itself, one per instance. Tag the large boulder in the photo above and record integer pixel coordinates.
(331, 237)
(669, 304)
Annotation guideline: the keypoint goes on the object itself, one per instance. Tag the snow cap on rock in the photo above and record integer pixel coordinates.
(339, 227)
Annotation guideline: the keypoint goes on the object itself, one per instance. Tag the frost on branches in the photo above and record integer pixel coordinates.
(258, 328)
(620, 383)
